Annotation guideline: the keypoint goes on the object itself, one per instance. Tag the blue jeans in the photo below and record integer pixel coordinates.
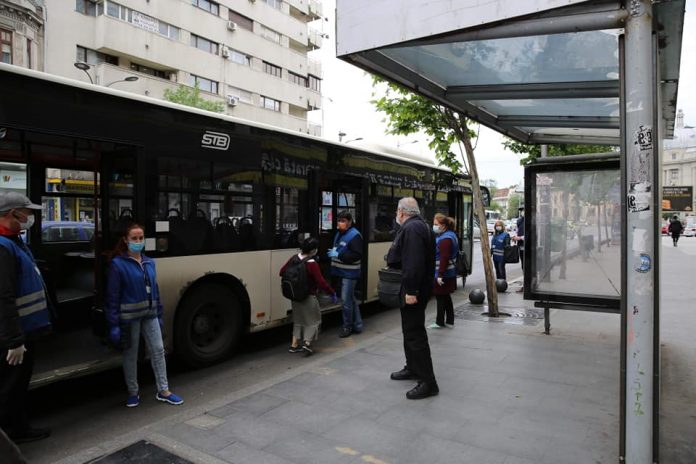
(500, 269)
(150, 330)
(352, 320)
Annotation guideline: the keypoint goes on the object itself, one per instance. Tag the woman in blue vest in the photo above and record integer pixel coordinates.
(133, 309)
(346, 256)
(445, 281)
(500, 240)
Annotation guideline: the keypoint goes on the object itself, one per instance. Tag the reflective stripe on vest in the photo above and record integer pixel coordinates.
(451, 270)
(499, 244)
(338, 267)
(30, 294)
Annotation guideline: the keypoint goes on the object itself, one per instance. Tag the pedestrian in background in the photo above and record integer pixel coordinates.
(675, 228)
(134, 309)
(519, 235)
(24, 316)
(306, 314)
(499, 241)
(346, 256)
(445, 281)
(413, 251)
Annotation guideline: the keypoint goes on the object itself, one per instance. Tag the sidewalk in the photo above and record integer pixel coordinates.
(508, 395)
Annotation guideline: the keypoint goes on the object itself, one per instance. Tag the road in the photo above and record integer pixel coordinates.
(87, 411)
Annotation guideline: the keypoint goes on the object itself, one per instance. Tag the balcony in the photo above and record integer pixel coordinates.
(316, 10)
(314, 38)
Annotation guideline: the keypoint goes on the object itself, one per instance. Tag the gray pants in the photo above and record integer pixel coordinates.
(150, 330)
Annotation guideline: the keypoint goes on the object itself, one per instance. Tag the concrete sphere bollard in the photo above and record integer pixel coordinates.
(501, 285)
(476, 296)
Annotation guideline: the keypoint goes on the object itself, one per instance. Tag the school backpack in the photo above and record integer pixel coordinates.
(294, 282)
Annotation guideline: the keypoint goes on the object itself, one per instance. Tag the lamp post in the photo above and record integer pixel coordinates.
(341, 134)
(126, 79)
(84, 67)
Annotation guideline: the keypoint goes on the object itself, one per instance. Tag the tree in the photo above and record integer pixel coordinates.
(534, 151)
(513, 205)
(191, 96)
(408, 113)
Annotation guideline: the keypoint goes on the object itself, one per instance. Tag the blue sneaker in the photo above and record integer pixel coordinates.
(133, 401)
(171, 399)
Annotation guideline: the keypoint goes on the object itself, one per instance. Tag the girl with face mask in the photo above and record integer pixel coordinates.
(445, 280)
(134, 309)
(500, 240)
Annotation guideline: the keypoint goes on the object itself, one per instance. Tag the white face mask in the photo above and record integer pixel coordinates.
(437, 229)
(499, 229)
(398, 218)
(27, 225)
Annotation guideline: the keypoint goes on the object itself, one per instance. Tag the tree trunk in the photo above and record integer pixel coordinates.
(459, 124)
(599, 228)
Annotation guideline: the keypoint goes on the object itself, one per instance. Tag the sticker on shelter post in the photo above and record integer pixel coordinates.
(644, 138)
(645, 264)
(638, 202)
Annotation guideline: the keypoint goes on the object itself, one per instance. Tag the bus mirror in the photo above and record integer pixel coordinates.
(485, 196)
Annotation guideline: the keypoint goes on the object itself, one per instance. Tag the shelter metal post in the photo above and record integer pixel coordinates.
(641, 137)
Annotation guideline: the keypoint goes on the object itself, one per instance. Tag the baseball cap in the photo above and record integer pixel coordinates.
(14, 200)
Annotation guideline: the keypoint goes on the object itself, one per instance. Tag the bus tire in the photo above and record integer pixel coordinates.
(208, 325)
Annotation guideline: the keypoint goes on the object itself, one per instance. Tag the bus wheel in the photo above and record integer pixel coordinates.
(208, 325)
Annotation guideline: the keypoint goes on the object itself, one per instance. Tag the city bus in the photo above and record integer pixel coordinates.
(224, 202)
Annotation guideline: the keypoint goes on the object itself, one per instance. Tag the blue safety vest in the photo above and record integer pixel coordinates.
(338, 267)
(30, 295)
(498, 245)
(451, 270)
(137, 297)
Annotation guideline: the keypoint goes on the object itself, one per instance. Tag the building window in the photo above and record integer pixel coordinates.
(85, 55)
(673, 175)
(274, 3)
(168, 30)
(674, 156)
(210, 7)
(5, 46)
(270, 34)
(238, 57)
(272, 69)
(243, 95)
(241, 20)
(88, 7)
(204, 44)
(314, 83)
(204, 84)
(297, 79)
(150, 71)
(270, 104)
(141, 20)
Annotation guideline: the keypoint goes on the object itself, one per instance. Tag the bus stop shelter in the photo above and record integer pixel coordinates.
(554, 72)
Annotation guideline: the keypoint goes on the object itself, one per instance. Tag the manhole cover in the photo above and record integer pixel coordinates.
(142, 452)
(520, 316)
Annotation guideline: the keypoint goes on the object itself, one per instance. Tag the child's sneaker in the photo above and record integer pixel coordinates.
(171, 399)
(434, 325)
(295, 349)
(307, 350)
(133, 401)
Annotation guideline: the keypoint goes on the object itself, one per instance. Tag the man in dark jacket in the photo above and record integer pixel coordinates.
(346, 256)
(23, 315)
(413, 251)
(675, 228)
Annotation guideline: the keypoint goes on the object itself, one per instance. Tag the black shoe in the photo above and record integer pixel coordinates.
(423, 390)
(403, 374)
(29, 435)
(345, 333)
(295, 349)
(307, 351)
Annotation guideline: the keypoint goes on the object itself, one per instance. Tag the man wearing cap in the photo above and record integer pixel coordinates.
(24, 315)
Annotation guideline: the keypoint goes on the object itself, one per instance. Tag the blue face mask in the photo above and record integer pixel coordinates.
(437, 229)
(136, 247)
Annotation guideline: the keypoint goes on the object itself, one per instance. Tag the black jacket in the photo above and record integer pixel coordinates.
(413, 251)
(11, 335)
(675, 227)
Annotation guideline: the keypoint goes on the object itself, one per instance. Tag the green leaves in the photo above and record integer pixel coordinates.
(191, 96)
(534, 151)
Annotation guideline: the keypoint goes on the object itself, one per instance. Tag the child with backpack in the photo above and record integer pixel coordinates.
(300, 279)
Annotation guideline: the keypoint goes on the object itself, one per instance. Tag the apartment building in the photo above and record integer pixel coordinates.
(679, 156)
(22, 33)
(252, 55)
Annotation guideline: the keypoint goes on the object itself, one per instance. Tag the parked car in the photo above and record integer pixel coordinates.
(66, 231)
(690, 228)
(664, 230)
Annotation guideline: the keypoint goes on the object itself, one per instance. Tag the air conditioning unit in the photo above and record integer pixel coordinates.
(231, 26)
(232, 100)
(225, 52)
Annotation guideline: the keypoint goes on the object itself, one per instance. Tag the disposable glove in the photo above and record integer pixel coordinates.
(115, 335)
(15, 356)
(334, 299)
(332, 253)
(440, 281)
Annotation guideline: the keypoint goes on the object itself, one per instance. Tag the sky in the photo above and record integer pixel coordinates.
(347, 92)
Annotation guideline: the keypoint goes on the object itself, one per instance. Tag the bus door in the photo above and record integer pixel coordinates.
(460, 205)
(330, 194)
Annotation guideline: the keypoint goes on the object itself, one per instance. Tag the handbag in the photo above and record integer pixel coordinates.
(511, 254)
(461, 264)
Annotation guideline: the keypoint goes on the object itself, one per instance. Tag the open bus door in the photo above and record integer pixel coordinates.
(460, 206)
(331, 193)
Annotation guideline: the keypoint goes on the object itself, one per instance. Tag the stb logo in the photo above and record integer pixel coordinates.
(215, 140)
